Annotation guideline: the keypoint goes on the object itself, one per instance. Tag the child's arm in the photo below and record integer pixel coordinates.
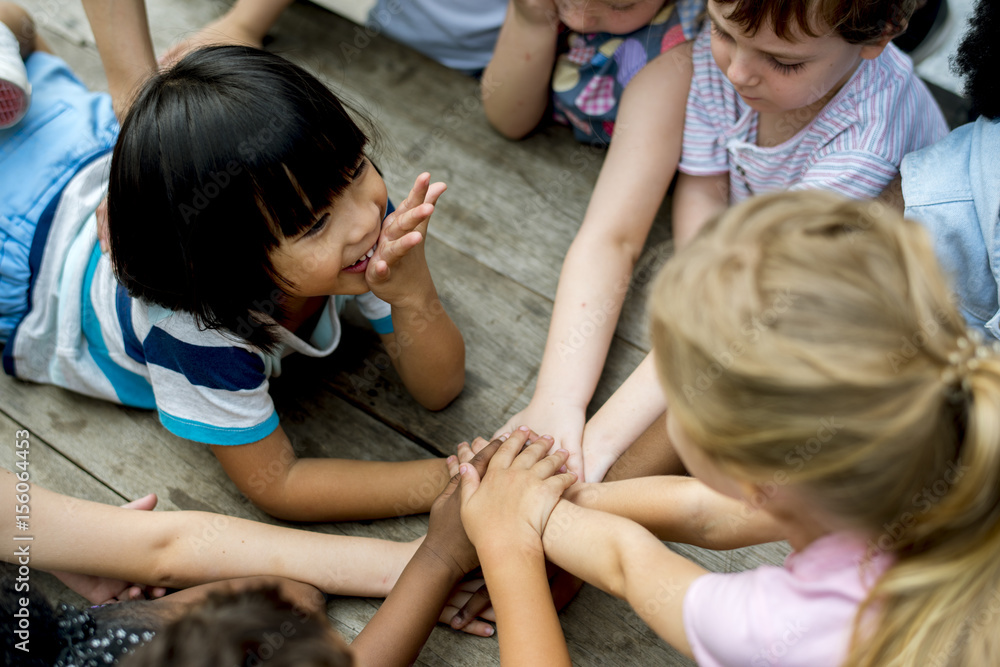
(681, 509)
(246, 22)
(504, 515)
(181, 549)
(425, 347)
(697, 199)
(122, 35)
(402, 624)
(515, 84)
(623, 418)
(595, 277)
(624, 559)
(270, 474)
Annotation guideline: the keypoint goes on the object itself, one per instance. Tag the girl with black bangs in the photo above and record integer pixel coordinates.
(242, 212)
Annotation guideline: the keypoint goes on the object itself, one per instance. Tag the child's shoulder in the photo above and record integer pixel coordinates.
(816, 593)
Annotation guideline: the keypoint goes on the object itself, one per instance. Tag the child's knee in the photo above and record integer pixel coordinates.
(21, 24)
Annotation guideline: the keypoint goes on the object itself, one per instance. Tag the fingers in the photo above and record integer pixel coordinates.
(147, 502)
(452, 463)
(390, 252)
(509, 450)
(476, 603)
(469, 483)
(479, 443)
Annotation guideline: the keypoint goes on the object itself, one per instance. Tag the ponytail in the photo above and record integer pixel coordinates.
(939, 605)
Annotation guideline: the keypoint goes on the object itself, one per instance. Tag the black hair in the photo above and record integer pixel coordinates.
(219, 158)
(66, 635)
(251, 628)
(979, 57)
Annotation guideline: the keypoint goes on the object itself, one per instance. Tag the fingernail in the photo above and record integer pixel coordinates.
(489, 631)
(462, 469)
(549, 438)
(450, 460)
(562, 451)
(503, 438)
(524, 428)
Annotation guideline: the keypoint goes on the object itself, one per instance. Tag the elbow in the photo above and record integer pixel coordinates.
(509, 128)
(442, 394)
(508, 123)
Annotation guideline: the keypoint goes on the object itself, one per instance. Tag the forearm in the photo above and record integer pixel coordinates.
(527, 622)
(515, 85)
(181, 549)
(428, 350)
(397, 632)
(625, 560)
(680, 509)
(346, 490)
(256, 17)
(623, 418)
(612, 543)
(123, 40)
(697, 199)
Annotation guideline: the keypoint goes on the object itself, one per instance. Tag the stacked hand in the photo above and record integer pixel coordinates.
(564, 422)
(511, 503)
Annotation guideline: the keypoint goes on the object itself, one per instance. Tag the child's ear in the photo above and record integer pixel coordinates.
(873, 51)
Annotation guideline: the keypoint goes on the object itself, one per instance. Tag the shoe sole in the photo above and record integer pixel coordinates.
(13, 103)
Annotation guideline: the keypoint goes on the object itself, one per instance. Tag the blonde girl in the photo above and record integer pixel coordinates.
(860, 415)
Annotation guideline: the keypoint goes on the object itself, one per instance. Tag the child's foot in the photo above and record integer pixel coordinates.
(15, 91)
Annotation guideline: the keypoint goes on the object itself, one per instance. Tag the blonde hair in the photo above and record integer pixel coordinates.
(815, 341)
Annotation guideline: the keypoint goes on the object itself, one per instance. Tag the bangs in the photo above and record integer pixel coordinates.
(788, 18)
(290, 194)
(856, 21)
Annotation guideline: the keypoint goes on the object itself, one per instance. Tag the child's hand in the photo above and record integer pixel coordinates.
(515, 497)
(398, 265)
(565, 423)
(446, 536)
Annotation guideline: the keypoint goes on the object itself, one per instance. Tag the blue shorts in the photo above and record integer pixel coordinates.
(66, 128)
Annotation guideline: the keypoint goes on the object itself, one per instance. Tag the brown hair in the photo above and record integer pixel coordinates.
(804, 318)
(253, 628)
(857, 21)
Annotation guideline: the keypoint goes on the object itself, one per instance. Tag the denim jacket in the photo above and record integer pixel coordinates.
(953, 189)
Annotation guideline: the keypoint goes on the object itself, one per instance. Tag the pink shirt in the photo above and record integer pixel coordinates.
(799, 614)
(854, 145)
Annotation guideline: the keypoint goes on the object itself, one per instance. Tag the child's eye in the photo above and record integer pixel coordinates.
(622, 8)
(786, 69)
(359, 169)
(718, 32)
(318, 225)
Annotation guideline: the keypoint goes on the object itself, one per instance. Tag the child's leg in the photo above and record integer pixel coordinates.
(22, 25)
(17, 42)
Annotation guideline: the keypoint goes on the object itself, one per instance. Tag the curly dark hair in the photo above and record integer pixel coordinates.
(978, 58)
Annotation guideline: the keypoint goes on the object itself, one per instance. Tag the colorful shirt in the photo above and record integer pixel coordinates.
(84, 333)
(854, 145)
(590, 77)
(801, 614)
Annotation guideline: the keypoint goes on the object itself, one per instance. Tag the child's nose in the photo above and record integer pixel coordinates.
(740, 70)
(577, 18)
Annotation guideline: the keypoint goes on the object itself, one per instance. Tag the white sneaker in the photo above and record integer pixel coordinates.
(15, 91)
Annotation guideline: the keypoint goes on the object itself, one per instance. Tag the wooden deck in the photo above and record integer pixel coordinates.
(495, 247)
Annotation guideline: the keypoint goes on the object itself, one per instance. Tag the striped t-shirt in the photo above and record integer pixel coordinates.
(84, 333)
(854, 146)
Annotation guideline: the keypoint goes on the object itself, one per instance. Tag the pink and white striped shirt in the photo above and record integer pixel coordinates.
(854, 145)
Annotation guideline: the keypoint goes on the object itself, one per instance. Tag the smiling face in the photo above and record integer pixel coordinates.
(331, 257)
(775, 75)
(618, 17)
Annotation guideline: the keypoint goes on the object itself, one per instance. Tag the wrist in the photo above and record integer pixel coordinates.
(435, 556)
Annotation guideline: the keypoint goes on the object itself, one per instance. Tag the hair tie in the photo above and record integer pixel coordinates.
(962, 362)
